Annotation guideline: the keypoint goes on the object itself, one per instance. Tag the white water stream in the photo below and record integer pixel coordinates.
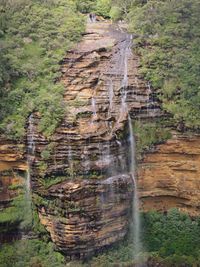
(30, 158)
(136, 227)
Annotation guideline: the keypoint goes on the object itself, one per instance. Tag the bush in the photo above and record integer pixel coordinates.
(149, 134)
(115, 13)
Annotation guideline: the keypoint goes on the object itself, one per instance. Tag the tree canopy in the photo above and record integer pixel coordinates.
(169, 47)
(34, 36)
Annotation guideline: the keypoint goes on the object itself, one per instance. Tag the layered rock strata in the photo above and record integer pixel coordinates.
(11, 163)
(83, 216)
(90, 150)
(170, 176)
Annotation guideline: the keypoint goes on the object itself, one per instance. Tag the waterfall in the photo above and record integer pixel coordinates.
(91, 18)
(111, 95)
(30, 158)
(70, 162)
(135, 207)
(94, 106)
(124, 83)
(148, 99)
(86, 160)
(94, 109)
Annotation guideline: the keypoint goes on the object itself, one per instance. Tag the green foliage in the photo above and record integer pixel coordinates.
(169, 46)
(124, 6)
(86, 6)
(149, 134)
(115, 13)
(103, 8)
(14, 213)
(118, 255)
(174, 236)
(30, 253)
(37, 227)
(170, 239)
(18, 213)
(34, 37)
(52, 180)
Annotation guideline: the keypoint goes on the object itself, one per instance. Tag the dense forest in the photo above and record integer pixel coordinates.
(35, 36)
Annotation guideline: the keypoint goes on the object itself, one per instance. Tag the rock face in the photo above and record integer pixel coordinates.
(11, 156)
(90, 150)
(83, 216)
(83, 189)
(170, 176)
(11, 160)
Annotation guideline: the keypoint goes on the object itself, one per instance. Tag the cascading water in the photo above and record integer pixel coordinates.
(70, 162)
(111, 95)
(94, 109)
(135, 208)
(148, 99)
(30, 158)
(124, 83)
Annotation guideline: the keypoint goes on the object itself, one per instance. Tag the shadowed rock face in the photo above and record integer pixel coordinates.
(11, 160)
(83, 216)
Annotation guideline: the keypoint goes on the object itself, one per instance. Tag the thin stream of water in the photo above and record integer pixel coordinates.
(30, 157)
(135, 212)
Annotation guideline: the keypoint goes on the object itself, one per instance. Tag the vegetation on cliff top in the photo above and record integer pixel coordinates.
(169, 46)
(34, 36)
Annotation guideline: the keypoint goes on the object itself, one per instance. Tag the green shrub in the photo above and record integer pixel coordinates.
(30, 253)
(103, 8)
(149, 134)
(115, 13)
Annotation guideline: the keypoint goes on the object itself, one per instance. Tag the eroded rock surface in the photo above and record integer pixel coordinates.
(84, 216)
(11, 162)
(90, 146)
(170, 176)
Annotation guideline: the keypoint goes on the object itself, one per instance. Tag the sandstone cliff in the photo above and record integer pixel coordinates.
(170, 175)
(11, 163)
(80, 177)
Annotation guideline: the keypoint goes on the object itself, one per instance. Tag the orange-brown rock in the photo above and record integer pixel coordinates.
(11, 161)
(170, 176)
(11, 156)
(84, 216)
(90, 209)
